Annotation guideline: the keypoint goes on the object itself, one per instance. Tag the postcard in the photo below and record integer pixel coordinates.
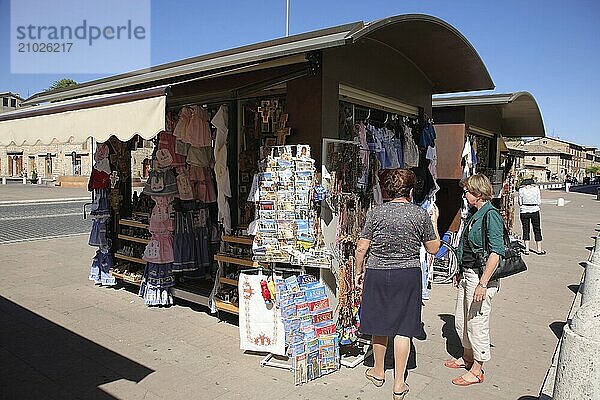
(285, 229)
(300, 369)
(286, 206)
(304, 226)
(304, 175)
(286, 196)
(286, 175)
(303, 151)
(267, 214)
(305, 279)
(267, 176)
(305, 165)
(313, 365)
(292, 284)
(267, 226)
(268, 205)
(302, 309)
(289, 215)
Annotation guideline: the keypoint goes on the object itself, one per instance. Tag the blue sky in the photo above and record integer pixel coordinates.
(549, 48)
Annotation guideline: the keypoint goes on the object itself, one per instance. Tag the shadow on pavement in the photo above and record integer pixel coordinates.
(528, 398)
(389, 357)
(453, 344)
(574, 288)
(557, 328)
(587, 189)
(42, 360)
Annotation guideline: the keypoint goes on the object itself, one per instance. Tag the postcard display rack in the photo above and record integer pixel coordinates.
(288, 240)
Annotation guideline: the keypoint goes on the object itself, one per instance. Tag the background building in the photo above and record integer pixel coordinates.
(551, 159)
(68, 164)
(9, 101)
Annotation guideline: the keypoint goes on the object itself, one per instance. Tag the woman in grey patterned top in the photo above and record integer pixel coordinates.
(391, 302)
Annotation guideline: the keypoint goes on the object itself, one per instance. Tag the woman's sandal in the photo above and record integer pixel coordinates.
(454, 365)
(541, 253)
(460, 381)
(402, 394)
(375, 380)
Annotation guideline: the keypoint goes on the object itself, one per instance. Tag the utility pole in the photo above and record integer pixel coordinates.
(287, 18)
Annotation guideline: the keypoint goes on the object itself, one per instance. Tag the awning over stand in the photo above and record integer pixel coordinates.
(123, 115)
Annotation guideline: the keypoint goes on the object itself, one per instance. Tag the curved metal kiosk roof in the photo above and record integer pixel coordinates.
(440, 52)
(521, 116)
(435, 47)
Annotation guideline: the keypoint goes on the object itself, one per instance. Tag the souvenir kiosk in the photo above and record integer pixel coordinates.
(309, 92)
(477, 124)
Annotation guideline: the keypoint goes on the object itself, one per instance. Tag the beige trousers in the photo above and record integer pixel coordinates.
(472, 320)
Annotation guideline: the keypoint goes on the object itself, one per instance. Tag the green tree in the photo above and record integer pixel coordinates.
(62, 83)
(592, 170)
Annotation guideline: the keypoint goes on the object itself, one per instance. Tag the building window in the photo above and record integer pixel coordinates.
(77, 166)
(547, 160)
(145, 168)
(13, 103)
(48, 166)
(5, 101)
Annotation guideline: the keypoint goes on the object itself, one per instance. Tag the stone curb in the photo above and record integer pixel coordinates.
(16, 202)
(547, 390)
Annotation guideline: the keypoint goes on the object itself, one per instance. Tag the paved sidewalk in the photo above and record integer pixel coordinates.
(63, 338)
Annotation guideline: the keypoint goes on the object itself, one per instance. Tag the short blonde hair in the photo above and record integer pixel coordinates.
(479, 185)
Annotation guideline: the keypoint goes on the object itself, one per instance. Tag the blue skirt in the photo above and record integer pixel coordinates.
(391, 302)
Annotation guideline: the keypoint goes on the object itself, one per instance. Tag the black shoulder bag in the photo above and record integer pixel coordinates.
(511, 263)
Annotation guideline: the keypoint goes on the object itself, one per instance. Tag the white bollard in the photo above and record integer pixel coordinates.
(590, 291)
(24, 180)
(560, 202)
(4, 180)
(595, 256)
(577, 373)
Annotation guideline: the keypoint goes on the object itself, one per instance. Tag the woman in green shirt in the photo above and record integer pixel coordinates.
(475, 290)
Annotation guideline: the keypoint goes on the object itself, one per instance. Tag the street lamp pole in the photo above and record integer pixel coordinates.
(287, 18)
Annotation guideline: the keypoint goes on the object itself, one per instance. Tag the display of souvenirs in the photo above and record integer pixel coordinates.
(285, 209)
(310, 333)
(99, 184)
(261, 325)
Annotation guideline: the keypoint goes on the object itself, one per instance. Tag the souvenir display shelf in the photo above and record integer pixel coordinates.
(224, 260)
(129, 258)
(133, 238)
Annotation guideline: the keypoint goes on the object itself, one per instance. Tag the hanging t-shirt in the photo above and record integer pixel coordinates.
(427, 136)
(411, 151)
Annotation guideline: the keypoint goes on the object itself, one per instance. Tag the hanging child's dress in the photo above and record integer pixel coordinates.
(99, 184)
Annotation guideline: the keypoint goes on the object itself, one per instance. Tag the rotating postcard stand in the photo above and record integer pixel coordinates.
(288, 199)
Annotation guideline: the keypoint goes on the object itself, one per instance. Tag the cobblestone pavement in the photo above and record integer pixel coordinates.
(22, 222)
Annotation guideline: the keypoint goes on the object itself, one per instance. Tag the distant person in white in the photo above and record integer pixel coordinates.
(530, 199)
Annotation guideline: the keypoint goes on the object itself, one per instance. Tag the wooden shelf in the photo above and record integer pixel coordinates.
(135, 224)
(226, 306)
(129, 258)
(126, 278)
(248, 240)
(133, 238)
(228, 281)
(235, 260)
